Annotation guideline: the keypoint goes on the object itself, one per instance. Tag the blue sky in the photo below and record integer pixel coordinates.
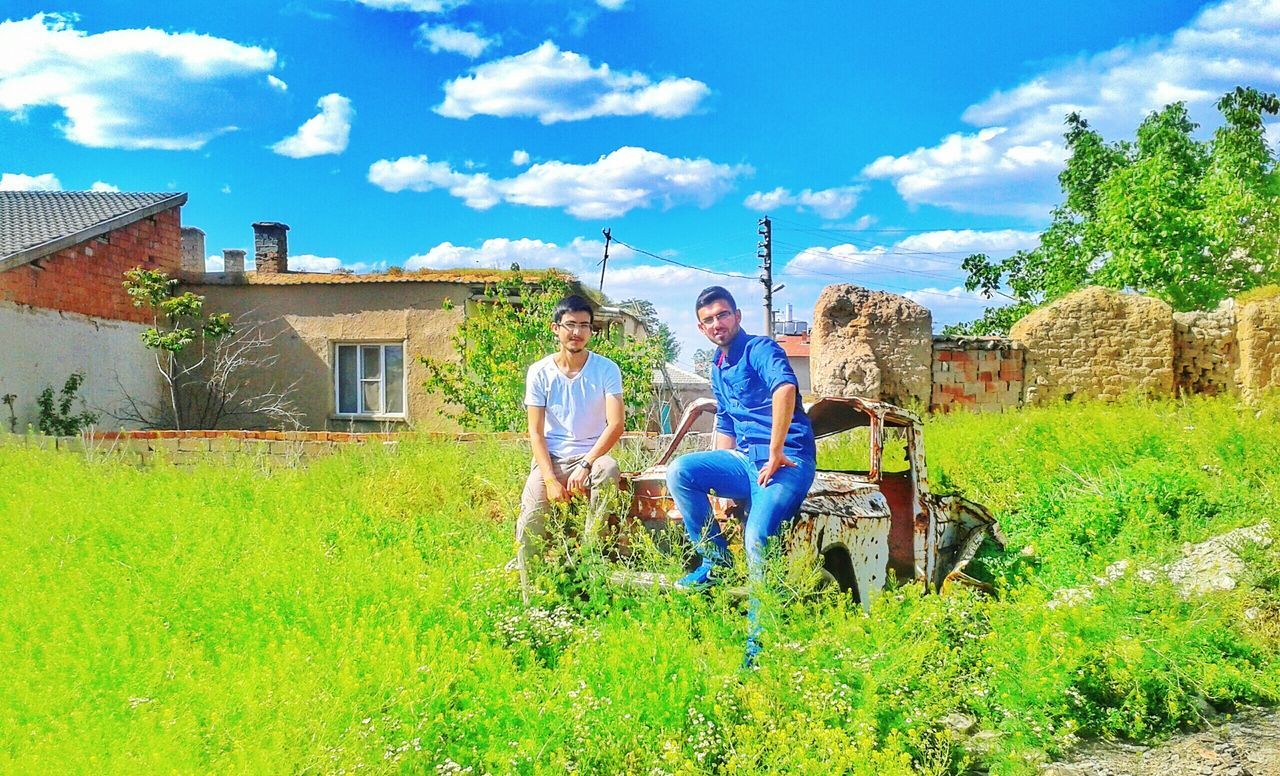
(887, 142)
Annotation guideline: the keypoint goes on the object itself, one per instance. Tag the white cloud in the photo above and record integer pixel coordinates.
(16, 181)
(611, 5)
(952, 305)
(519, 157)
(446, 37)
(1009, 164)
(417, 6)
(325, 133)
(934, 255)
(136, 88)
(308, 262)
(828, 203)
(214, 263)
(556, 85)
(103, 186)
(577, 256)
(613, 185)
(277, 84)
(226, 188)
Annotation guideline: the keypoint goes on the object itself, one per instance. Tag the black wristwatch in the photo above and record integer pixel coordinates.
(584, 464)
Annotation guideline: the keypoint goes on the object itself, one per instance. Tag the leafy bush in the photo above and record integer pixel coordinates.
(56, 416)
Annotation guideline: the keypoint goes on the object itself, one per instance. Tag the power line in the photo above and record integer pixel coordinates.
(682, 264)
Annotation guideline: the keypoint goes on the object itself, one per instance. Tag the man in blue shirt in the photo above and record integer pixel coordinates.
(764, 449)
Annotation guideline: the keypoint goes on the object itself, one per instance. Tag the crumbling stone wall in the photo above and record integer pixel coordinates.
(983, 374)
(1206, 356)
(872, 344)
(1258, 337)
(1097, 343)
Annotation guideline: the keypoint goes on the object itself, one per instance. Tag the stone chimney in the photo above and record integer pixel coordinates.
(192, 250)
(271, 246)
(233, 260)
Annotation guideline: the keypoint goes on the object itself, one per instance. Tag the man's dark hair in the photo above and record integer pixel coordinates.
(714, 294)
(573, 303)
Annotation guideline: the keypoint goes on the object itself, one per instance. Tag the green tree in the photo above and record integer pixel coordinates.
(1189, 221)
(181, 334)
(508, 330)
(702, 360)
(56, 416)
(658, 329)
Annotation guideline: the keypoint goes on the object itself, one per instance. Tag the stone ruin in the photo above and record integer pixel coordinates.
(872, 344)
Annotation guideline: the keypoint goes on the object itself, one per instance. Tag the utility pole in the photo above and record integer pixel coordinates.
(764, 250)
(604, 263)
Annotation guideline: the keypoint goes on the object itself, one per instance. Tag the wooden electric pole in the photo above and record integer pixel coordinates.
(604, 263)
(764, 251)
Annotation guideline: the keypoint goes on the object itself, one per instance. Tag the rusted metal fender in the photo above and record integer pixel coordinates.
(962, 527)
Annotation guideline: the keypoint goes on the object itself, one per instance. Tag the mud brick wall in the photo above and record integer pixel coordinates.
(981, 374)
(1097, 343)
(86, 277)
(1258, 336)
(1206, 355)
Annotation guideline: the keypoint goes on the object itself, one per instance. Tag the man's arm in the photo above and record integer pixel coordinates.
(770, 362)
(538, 441)
(615, 422)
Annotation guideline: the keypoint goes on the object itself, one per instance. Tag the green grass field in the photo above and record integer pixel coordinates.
(352, 616)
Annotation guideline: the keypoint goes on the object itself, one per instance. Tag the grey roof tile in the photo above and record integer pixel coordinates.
(29, 219)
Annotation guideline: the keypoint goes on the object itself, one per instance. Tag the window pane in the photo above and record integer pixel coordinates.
(372, 367)
(370, 396)
(347, 391)
(395, 378)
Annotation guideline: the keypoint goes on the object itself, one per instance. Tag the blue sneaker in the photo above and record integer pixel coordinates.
(707, 574)
(751, 655)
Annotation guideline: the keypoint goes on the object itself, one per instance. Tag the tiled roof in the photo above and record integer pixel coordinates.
(334, 278)
(681, 377)
(37, 223)
(795, 346)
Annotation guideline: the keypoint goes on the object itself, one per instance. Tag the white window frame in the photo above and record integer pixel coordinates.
(382, 346)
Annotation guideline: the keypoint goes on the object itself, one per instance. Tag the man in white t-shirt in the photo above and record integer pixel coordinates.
(574, 400)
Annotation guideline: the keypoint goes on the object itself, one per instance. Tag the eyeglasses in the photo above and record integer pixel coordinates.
(720, 316)
(578, 328)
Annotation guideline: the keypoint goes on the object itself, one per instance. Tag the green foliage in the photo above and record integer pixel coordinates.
(702, 360)
(658, 329)
(178, 323)
(56, 416)
(1191, 222)
(503, 334)
(317, 620)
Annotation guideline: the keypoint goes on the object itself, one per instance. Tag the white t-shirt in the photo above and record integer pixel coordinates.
(575, 406)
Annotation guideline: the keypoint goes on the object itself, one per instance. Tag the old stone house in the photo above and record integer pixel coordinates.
(62, 306)
(349, 344)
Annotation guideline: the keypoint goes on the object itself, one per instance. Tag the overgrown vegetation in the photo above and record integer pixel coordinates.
(505, 333)
(353, 615)
(58, 416)
(1191, 222)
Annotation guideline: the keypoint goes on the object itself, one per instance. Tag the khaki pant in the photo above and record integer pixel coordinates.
(531, 525)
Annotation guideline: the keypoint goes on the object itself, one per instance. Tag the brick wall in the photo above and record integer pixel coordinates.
(982, 374)
(86, 278)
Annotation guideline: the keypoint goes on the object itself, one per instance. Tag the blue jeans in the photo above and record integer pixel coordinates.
(731, 475)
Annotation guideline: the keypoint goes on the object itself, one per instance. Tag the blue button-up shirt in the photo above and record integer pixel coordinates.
(743, 381)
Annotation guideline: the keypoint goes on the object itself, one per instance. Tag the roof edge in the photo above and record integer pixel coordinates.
(28, 255)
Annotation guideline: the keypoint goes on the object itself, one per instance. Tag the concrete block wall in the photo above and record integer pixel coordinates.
(981, 374)
(86, 278)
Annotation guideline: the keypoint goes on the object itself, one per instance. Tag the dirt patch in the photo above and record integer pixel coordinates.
(1247, 745)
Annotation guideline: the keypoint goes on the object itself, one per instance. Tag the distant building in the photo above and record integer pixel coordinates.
(793, 335)
(63, 308)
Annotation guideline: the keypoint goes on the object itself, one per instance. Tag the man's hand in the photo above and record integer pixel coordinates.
(555, 491)
(776, 461)
(578, 480)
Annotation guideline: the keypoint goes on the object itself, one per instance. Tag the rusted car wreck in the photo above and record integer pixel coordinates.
(859, 525)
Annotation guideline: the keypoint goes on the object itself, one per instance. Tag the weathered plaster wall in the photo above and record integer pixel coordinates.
(1097, 344)
(311, 318)
(982, 374)
(872, 344)
(1258, 335)
(1206, 355)
(40, 348)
